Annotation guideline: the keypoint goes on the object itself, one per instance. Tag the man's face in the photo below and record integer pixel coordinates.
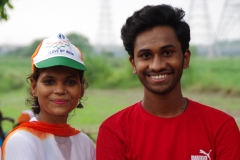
(158, 59)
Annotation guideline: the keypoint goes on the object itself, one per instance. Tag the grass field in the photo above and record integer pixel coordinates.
(102, 103)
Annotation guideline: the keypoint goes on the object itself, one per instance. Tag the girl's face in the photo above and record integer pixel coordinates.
(58, 90)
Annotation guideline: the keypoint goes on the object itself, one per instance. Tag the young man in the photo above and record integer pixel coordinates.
(164, 125)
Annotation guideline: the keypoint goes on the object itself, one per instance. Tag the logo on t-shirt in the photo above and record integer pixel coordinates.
(205, 156)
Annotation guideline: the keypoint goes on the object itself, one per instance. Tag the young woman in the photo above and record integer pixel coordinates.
(57, 86)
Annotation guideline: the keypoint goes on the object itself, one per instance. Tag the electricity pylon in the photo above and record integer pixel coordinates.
(105, 34)
(228, 27)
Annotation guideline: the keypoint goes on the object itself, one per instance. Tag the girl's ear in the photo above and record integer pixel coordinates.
(186, 58)
(33, 87)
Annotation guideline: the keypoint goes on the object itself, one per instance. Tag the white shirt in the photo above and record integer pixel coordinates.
(30, 144)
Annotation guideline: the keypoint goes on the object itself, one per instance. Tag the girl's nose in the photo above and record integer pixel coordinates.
(60, 90)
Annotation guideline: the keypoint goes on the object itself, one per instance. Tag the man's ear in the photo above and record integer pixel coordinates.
(33, 87)
(186, 58)
(133, 65)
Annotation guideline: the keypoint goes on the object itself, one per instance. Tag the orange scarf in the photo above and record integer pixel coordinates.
(63, 130)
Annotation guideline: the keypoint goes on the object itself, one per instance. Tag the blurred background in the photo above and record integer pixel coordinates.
(94, 26)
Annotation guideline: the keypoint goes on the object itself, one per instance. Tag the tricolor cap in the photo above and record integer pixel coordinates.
(57, 50)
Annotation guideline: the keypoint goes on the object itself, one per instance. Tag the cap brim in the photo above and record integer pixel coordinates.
(61, 61)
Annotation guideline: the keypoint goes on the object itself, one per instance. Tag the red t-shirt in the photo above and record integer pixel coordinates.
(199, 133)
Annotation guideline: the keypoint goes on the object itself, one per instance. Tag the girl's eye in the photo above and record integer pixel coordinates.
(48, 81)
(71, 82)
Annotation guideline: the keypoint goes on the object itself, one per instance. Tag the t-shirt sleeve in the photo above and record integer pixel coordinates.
(18, 146)
(109, 145)
(228, 141)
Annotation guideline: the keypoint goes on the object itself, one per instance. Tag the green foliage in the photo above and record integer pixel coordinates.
(29, 50)
(24, 51)
(3, 13)
(97, 70)
(106, 71)
(219, 74)
(13, 72)
(81, 42)
(12, 81)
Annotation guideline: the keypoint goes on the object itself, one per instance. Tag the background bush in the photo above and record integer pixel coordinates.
(106, 70)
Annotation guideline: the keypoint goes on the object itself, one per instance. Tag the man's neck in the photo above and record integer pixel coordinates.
(164, 105)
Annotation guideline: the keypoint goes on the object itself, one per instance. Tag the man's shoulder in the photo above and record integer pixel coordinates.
(207, 110)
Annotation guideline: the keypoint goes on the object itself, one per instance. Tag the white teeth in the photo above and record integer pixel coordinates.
(159, 76)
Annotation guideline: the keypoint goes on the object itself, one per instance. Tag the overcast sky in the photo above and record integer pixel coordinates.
(38, 19)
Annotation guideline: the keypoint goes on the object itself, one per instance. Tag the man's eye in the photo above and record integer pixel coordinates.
(146, 55)
(167, 53)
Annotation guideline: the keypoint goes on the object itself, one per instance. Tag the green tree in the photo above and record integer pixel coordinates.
(3, 5)
(81, 42)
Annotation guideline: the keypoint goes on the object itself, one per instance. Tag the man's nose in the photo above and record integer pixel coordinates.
(157, 63)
